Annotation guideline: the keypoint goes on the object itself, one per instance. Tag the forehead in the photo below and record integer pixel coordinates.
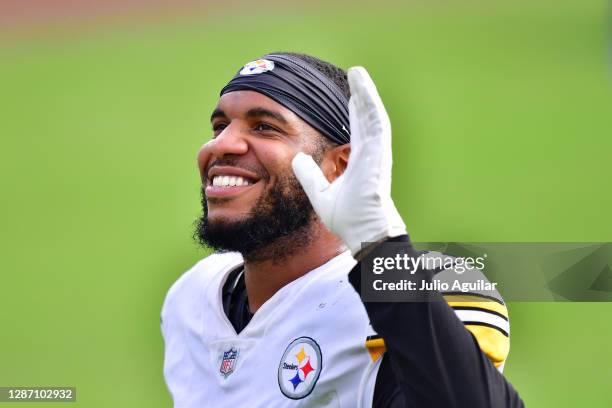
(238, 103)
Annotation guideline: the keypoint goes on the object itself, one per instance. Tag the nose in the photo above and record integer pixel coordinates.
(231, 141)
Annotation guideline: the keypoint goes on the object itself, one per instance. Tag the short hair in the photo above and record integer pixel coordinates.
(336, 74)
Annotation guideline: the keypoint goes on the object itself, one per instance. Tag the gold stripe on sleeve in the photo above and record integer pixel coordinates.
(472, 301)
(376, 348)
(492, 342)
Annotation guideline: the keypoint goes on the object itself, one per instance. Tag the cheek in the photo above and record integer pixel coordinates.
(276, 158)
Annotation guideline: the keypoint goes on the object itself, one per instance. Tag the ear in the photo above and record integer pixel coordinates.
(335, 161)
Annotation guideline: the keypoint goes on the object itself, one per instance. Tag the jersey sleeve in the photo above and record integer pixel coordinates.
(483, 312)
(484, 315)
(486, 319)
(445, 351)
(488, 322)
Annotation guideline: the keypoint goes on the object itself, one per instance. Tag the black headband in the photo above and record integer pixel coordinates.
(299, 87)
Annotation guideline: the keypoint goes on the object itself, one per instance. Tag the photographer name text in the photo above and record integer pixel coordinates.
(441, 286)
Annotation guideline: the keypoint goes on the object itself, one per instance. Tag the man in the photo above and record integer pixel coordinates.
(296, 180)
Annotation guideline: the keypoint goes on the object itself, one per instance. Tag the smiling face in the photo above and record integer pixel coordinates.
(251, 197)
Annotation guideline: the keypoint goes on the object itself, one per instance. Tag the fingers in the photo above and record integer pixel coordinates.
(356, 136)
(360, 82)
(310, 175)
(369, 110)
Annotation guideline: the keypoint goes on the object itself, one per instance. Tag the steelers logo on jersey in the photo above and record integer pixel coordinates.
(299, 368)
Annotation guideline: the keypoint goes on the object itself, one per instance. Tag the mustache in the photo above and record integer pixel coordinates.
(234, 162)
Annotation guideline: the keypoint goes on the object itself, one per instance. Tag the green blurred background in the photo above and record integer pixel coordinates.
(502, 121)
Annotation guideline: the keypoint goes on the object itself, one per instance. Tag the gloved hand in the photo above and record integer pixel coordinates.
(357, 206)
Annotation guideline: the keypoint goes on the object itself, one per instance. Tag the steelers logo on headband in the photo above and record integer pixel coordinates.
(257, 67)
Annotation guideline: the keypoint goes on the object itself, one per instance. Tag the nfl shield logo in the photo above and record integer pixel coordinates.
(229, 362)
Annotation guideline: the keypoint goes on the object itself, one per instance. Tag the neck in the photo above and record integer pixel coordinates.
(287, 259)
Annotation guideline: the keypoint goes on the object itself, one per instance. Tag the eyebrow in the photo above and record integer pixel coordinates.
(262, 112)
(252, 113)
(217, 113)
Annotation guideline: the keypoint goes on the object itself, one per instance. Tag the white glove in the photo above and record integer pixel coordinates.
(357, 206)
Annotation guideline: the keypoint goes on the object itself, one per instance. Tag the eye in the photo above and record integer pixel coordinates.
(264, 127)
(218, 127)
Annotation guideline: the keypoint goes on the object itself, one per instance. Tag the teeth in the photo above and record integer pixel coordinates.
(229, 181)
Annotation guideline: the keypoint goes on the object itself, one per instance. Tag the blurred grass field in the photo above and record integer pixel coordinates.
(502, 121)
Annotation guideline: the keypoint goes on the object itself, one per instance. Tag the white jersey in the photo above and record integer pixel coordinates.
(304, 347)
(309, 345)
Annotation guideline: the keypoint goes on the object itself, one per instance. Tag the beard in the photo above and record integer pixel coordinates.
(276, 227)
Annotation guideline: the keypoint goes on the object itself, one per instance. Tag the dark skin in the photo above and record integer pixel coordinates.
(260, 138)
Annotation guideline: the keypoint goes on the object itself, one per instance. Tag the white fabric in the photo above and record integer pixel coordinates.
(321, 305)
